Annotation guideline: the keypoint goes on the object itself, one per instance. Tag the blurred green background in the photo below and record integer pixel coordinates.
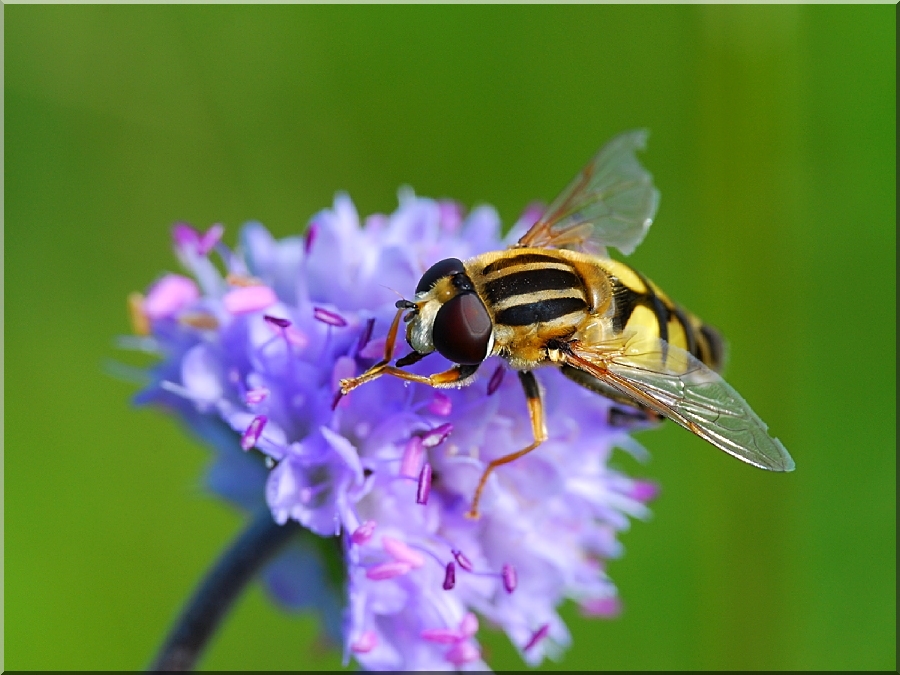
(773, 144)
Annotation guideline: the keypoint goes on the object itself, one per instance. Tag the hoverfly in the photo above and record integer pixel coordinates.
(556, 298)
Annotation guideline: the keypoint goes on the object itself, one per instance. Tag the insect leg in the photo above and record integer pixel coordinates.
(538, 430)
(448, 377)
(376, 370)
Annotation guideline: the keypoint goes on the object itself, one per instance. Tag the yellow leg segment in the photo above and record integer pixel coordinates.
(538, 430)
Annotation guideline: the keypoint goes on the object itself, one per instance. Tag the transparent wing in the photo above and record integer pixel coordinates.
(612, 202)
(675, 384)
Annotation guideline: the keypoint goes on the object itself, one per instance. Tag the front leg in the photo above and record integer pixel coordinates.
(455, 375)
(348, 385)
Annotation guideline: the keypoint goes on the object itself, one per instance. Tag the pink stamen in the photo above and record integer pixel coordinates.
(644, 490)
(256, 396)
(449, 576)
(209, 239)
(440, 405)
(602, 607)
(363, 533)
(169, 295)
(374, 349)
(388, 570)
(253, 432)
(444, 636)
(296, 337)
(510, 578)
(463, 561)
(411, 462)
(496, 380)
(366, 642)
(469, 625)
(284, 328)
(437, 435)
(276, 321)
(537, 636)
(329, 318)
(462, 652)
(246, 299)
(400, 551)
(424, 488)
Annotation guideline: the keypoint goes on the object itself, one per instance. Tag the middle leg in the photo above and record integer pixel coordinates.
(538, 430)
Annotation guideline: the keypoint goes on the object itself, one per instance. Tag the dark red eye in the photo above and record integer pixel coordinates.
(441, 269)
(462, 329)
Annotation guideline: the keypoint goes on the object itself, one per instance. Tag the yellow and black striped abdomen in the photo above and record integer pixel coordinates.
(528, 288)
(638, 303)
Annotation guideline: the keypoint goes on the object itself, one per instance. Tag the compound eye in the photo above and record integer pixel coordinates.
(462, 330)
(441, 269)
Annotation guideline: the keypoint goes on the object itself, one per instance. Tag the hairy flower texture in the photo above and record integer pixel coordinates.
(254, 343)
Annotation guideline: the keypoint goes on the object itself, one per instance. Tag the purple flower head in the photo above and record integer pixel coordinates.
(253, 348)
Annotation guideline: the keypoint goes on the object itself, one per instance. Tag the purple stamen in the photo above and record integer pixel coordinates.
(463, 561)
(440, 405)
(644, 490)
(496, 380)
(437, 435)
(363, 533)
(412, 457)
(256, 396)
(253, 432)
(338, 395)
(537, 636)
(424, 488)
(388, 570)
(276, 321)
(366, 335)
(449, 576)
(210, 238)
(329, 318)
(185, 236)
(510, 578)
(311, 233)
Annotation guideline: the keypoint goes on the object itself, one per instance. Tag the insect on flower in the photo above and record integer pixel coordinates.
(557, 299)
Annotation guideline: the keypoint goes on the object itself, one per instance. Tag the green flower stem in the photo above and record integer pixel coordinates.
(262, 538)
